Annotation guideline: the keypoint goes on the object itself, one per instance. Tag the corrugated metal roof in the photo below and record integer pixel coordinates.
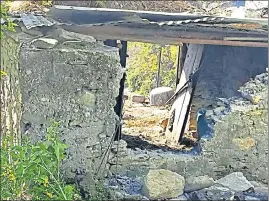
(103, 16)
(31, 20)
(149, 26)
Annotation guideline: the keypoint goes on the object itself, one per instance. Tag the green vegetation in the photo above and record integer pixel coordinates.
(143, 66)
(4, 15)
(32, 171)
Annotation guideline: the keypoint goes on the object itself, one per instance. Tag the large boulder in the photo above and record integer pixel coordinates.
(235, 181)
(160, 95)
(162, 184)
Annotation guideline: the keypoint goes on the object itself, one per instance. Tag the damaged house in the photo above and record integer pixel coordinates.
(68, 66)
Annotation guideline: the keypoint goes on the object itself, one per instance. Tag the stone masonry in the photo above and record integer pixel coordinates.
(70, 79)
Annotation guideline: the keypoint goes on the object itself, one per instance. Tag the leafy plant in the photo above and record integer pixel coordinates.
(31, 171)
(9, 25)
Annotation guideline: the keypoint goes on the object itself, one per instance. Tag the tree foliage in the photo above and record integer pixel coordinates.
(9, 25)
(143, 66)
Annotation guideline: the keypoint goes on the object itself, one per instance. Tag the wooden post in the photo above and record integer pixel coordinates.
(192, 62)
(159, 66)
(182, 51)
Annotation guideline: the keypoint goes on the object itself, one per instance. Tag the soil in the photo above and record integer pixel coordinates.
(143, 127)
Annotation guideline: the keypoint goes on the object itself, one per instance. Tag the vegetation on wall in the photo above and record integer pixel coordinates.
(142, 66)
(32, 171)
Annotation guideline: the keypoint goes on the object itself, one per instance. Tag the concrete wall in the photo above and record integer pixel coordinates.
(74, 82)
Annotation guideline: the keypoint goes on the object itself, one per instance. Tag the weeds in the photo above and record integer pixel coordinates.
(31, 171)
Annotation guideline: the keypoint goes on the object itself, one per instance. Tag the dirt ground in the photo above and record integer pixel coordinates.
(142, 127)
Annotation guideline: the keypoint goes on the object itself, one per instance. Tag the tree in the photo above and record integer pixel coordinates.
(143, 66)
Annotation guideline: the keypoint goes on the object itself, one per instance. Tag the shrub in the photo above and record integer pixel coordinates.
(31, 171)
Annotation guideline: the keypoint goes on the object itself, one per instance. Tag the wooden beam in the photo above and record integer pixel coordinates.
(161, 36)
(192, 62)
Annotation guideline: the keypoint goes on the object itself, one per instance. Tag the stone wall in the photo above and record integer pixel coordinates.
(10, 95)
(224, 69)
(69, 78)
(240, 144)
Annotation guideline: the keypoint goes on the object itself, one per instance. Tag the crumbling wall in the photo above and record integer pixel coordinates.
(224, 69)
(69, 78)
(240, 139)
(10, 95)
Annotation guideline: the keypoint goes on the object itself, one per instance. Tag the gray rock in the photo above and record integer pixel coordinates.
(219, 110)
(138, 98)
(44, 43)
(219, 193)
(160, 95)
(161, 184)
(198, 183)
(250, 198)
(256, 195)
(197, 195)
(181, 198)
(235, 181)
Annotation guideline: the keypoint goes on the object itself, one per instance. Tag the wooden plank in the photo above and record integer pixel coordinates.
(192, 62)
(172, 37)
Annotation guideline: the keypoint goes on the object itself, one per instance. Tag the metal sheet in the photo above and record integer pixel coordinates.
(30, 21)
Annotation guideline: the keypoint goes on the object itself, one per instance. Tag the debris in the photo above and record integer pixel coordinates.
(161, 184)
(235, 181)
(159, 96)
(138, 98)
(198, 183)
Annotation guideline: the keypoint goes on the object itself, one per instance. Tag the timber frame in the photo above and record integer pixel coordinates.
(194, 31)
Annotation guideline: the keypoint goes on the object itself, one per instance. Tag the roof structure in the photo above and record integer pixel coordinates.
(154, 27)
(159, 27)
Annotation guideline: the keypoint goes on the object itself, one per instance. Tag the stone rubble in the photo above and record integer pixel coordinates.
(159, 96)
(127, 188)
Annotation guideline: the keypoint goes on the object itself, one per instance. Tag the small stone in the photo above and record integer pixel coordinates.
(28, 72)
(219, 110)
(235, 181)
(197, 195)
(219, 193)
(44, 43)
(102, 135)
(44, 99)
(161, 184)
(88, 99)
(159, 96)
(251, 198)
(181, 198)
(138, 98)
(198, 183)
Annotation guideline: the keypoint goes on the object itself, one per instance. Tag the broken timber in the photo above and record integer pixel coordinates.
(191, 64)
